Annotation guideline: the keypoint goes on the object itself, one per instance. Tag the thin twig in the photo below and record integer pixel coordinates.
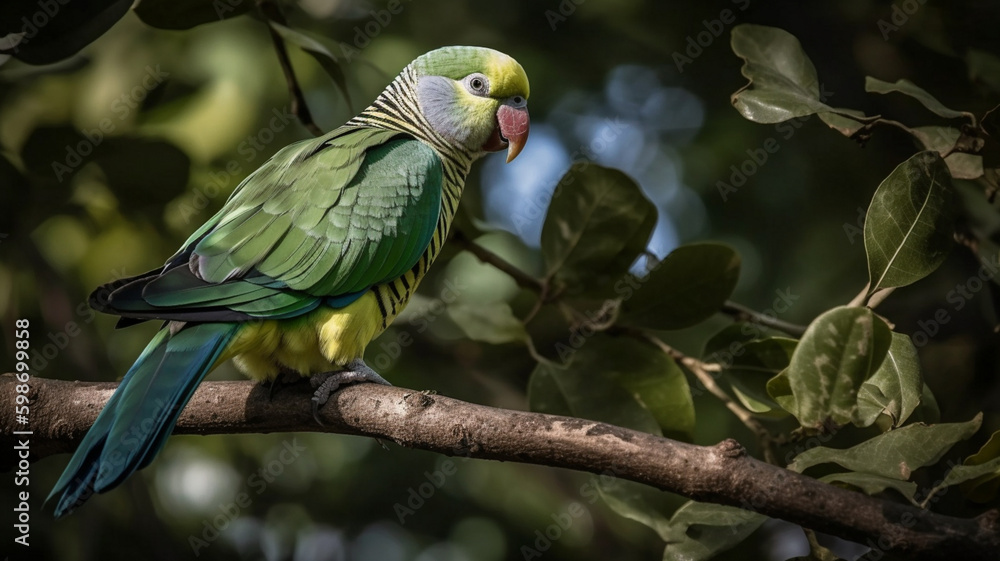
(524, 280)
(739, 312)
(879, 296)
(543, 297)
(700, 369)
(706, 375)
(898, 125)
(272, 12)
(873, 120)
(865, 120)
(871, 299)
(859, 300)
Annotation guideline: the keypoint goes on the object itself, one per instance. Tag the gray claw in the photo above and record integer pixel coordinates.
(328, 382)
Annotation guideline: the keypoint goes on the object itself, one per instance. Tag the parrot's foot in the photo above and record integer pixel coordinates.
(283, 379)
(328, 382)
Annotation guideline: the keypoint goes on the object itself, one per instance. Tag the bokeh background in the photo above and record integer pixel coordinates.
(192, 112)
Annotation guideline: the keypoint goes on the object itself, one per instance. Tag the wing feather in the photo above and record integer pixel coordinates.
(322, 221)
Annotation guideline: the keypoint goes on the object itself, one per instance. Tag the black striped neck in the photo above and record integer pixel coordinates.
(396, 108)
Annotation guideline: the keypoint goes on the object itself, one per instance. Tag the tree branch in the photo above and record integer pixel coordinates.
(739, 312)
(524, 280)
(61, 412)
(735, 310)
(702, 372)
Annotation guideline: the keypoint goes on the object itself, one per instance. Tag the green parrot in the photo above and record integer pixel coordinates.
(312, 256)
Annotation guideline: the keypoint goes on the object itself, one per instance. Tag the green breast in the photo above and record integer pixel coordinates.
(393, 296)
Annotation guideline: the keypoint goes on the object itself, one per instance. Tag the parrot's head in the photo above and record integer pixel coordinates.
(474, 97)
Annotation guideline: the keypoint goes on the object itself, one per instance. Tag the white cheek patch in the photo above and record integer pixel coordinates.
(438, 100)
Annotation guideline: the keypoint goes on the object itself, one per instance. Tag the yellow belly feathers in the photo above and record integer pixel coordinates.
(319, 341)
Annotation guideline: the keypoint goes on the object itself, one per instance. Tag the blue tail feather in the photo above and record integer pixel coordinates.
(141, 414)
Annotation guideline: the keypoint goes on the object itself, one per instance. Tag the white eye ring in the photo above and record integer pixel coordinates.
(477, 84)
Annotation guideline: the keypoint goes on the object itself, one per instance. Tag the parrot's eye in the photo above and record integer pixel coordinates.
(518, 100)
(477, 84)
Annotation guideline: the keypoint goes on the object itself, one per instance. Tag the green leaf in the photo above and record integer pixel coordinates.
(72, 26)
(619, 381)
(783, 82)
(545, 394)
(895, 388)
(990, 451)
(894, 454)
(909, 225)
(489, 323)
(728, 342)
(844, 125)
(143, 172)
(980, 476)
(701, 530)
(980, 482)
(928, 412)
(185, 14)
(748, 365)
(598, 223)
(318, 50)
(871, 484)
(552, 335)
(18, 197)
(838, 352)
(984, 68)
(907, 87)
(780, 390)
(631, 500)
(687, 287)
(942, 140)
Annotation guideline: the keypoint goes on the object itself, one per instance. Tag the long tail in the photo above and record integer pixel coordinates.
(141, 414)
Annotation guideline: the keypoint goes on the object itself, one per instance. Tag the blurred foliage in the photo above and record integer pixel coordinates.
(140, 123)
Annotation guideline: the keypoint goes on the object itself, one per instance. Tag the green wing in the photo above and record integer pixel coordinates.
(322, 221)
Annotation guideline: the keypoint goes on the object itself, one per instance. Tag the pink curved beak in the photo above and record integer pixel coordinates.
(513, 124)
